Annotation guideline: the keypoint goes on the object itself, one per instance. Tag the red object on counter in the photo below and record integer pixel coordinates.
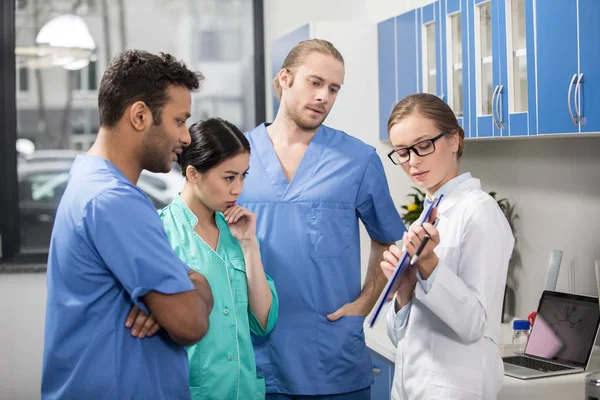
(531, 318)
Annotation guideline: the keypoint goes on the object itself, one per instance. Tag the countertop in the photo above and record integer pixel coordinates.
(550, 388)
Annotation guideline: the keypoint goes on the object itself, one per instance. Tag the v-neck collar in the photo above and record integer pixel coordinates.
(192, 221)
(270, 161)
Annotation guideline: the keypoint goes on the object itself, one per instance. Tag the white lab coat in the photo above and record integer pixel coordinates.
(448, 347)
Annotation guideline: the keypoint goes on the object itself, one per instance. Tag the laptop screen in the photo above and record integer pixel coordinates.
(565, 328)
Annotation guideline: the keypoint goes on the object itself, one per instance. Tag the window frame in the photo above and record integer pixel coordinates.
(10, 241)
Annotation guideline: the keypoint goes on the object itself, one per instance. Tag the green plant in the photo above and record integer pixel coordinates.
(413, 210)
(508, 209)
(515, 259)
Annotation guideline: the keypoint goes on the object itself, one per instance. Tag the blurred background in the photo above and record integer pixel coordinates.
(62, 49)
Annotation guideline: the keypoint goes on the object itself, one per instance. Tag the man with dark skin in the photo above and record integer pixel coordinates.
(110, 261)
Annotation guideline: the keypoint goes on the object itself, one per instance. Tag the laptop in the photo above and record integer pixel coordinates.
(562, 337)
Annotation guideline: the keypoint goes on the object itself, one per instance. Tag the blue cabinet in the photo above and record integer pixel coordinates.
(411, 56)
(557, 66)
(431, 57)
(456, 66)
(408, 39)
(398, 49)
(383, 371)
(568, 40)
(499, 39)
(507, 68)
(589, 65)
(484, 64)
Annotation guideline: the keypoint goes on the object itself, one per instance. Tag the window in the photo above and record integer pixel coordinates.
(219, 45)
(86, 78)
(23, 80)
(57, 122)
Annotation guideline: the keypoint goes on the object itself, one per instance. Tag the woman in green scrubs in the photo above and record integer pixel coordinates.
(217, 238)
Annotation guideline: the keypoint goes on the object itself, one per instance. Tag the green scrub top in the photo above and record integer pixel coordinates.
(222, 364)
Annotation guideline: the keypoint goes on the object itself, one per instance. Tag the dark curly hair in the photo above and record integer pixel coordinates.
(136, 75)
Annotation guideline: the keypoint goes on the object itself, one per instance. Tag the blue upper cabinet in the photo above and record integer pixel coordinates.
(456, 68)
(557, 71)
(515, 95)
(568, 77)
(398, 57)
(279, 51)
(518, 67)
(507, 68)
(588, 95)
(486, 89)
(431, 58)
(501, 45)
(408, 52)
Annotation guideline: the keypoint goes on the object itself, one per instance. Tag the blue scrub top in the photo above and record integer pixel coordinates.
(108, 250)
(309, 235)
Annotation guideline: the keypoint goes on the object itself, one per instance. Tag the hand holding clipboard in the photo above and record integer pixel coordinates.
(394, 281)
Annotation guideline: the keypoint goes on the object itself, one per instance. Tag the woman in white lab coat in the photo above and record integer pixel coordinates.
(446, 316)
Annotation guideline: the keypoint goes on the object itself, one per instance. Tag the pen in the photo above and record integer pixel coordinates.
(415, 258)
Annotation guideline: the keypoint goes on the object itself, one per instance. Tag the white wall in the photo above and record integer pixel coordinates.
(22, 312)
(554, 182)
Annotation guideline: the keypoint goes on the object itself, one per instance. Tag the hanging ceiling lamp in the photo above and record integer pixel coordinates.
(64, 41)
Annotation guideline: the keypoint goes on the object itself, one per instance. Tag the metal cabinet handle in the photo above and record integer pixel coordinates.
(377, 371)
(498, 105)
(569, 100)
(578, 100)
(493, 109)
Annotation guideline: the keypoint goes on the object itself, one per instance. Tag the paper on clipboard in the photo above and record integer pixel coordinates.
(390, 289)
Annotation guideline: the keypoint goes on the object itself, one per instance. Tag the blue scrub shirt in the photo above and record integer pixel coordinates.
(309, 235)
(108, 249)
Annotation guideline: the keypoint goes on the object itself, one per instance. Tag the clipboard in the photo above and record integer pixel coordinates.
(387, 295)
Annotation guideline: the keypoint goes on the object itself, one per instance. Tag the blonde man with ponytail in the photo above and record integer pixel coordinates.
(309, 185)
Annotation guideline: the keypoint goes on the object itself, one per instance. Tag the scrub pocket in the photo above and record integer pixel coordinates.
(342, 352)
(330, 231)
(237, 277)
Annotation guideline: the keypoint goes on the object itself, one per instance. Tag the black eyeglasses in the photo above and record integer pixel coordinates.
(423, 148)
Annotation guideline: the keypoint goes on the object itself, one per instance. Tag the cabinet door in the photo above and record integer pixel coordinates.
(589, 61)
(407, 54)
(431, 54)
(520, 67)
(557, 70)
(456, 70)
(386, 47)
(485, 75)
(499, 56)
(279, 51)
(381, 372)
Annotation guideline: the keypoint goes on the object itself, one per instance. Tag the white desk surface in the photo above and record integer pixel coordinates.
(570, 387)
(557, 387)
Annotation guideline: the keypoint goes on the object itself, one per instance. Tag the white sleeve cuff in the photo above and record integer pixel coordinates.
(401, 317)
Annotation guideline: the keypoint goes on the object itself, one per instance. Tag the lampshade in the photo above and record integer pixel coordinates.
(66, 30)
(64, 41)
